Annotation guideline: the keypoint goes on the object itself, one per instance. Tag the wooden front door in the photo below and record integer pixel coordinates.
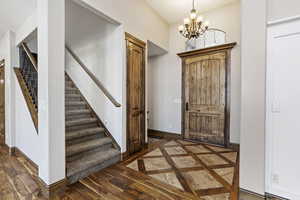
(205, 95)
(135, 94)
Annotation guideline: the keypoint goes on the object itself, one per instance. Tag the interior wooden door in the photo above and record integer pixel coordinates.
(135, 94)
(205, 96)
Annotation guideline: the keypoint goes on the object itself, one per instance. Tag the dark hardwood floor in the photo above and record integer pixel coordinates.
(18, 180)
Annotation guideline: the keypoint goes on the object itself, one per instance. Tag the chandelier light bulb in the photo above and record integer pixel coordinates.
(180, 28)
(193, 14)
(199, 19)
(186, 21)
(206, 23)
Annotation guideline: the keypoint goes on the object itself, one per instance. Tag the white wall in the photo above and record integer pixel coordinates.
(278, 9)
(32, 44)
(99, 44)
(27, 139)
(20, 131)
(137, 18)
(28, 27)
(3, 47)
(9, 53)
(252, 147)
(165, 75)
(51, 85)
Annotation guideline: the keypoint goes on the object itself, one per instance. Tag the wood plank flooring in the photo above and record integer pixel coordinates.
(17, 177)
(18, 181)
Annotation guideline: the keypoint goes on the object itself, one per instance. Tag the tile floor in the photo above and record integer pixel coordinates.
(208, 172)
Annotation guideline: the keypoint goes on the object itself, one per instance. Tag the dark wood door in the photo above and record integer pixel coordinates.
(135, 94)
(205, 96)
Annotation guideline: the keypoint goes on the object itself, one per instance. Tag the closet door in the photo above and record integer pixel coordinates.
(205, 96)
(283, 108)
(135, 94)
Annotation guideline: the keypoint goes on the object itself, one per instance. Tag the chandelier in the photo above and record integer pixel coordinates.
(194, 26)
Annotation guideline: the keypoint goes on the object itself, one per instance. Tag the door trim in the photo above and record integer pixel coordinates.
(2, 67)
(208, 51)
(140, 43)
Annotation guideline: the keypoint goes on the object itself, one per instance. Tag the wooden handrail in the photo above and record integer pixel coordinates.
(93, 77)
(30, 56)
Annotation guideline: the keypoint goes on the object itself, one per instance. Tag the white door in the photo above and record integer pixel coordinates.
(283, 110)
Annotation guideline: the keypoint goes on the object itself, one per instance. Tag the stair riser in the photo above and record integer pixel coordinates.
(81, 127)
(84, 133)
(85, 138)
(81, 175)
(73, 98)
(69, 84)
(86, 147)
(79, 123)
(77, 116)
(70, 92)
(82, 154)
(75, 107)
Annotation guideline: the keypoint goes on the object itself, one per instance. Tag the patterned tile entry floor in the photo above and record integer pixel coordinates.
(208, 172)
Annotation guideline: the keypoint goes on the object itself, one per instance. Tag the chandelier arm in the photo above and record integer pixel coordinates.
(194, 27)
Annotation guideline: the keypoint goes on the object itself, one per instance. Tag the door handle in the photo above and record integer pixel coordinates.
(186, 106)
(137, 113)
(275, 107)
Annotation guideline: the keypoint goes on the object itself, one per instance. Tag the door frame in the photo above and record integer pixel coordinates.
(2, 66)
(226, 48)
(140, 43)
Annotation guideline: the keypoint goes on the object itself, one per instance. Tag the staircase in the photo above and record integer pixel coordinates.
(89, 146)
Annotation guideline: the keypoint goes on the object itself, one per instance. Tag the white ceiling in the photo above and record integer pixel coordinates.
(175, 10)
(13, 13)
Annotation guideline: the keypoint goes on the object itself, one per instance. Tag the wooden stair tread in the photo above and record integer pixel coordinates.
(87, 145)
(73, 95)
(77, 112)
(82, 133)
(90, 161)
(75, 103)
(71, 88)
(78, 122)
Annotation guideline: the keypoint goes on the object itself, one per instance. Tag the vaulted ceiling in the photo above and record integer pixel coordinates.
(13, 13)
(175, 10)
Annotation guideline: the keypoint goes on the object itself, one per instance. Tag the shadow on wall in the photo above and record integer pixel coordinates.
(99, 43)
